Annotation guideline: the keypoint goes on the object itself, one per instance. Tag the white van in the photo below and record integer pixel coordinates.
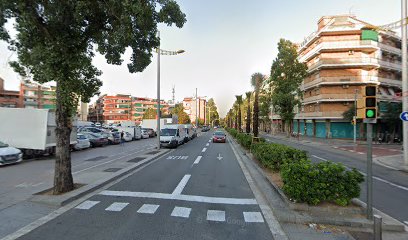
(190, 132)
(135, 131)
(172, 135)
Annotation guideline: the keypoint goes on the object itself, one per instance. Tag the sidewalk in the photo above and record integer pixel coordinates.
(394, 162)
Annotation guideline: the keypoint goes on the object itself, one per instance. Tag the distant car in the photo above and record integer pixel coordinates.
(91, 129)
(82, 142)
(9, 155)
(128, 137)
(145, 134)
(113, 137)
(205, 129)
(219, 136)
(150, 131)
(98, 125)
(97, 140)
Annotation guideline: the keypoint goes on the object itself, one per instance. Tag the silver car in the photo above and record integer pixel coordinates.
(9, 155)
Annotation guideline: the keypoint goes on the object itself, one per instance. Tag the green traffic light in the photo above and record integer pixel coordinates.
(370, 113)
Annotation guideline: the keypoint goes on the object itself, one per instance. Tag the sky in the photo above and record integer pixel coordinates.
(225, 42)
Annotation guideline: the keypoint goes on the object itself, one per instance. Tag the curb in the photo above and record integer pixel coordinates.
(350, 222)
(402, 169)
(69, 197)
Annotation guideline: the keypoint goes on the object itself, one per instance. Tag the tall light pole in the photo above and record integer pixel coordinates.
(161, 52)
(355, 117)
(404, 78)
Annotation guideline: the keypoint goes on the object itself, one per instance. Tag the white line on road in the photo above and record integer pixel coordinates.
(209, 140)
(253, 217)
(216, 215)
(148, 208)
(181, 185)
(207, 144)
(181, 212)
(87, 205)
(204, 149)
(187, 198)
(116, 206)
(374, 177)
(197, 160)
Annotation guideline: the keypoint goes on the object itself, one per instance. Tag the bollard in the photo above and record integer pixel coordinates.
(377, 227)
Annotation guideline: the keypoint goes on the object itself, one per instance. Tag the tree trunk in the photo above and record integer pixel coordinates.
(256, 115)
(63, 181)
(248, 122)
(239, 119)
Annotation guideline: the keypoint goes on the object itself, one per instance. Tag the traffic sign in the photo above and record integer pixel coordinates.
(404, 116)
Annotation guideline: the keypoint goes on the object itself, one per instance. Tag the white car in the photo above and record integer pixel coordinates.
(98, 124)
(145, 134)
(128, 137)
(9, 155)
(82, 142)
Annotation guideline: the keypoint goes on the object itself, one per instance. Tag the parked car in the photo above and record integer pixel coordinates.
(128, 137)
(205, 129)
(150, 131)
(97, 140)
(145, 134)
(113, 137)
(82, 142)
(219, 136)
(98, 125)
(91, 129)
(9, 155)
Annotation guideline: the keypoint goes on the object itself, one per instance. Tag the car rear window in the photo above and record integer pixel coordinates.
(219, 133)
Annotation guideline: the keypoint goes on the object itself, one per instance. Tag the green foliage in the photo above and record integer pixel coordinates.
(287, 74)
(248, 114)
(150, 113)
(326, 181)
(257, 80)
(212, 111)
(233, 132)
(273, 155)
(183, 117)
(349, 113)
(244, 139)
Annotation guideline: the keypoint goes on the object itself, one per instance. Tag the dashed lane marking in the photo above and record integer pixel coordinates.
(117, 206)
(181, 185)
(148, 208)
(207, 144)
(181, 212)
(216, 215)
(87, 205)
(204, 149)
(197, 160)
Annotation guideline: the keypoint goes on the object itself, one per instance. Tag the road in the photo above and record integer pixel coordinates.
(197, 191)
(20, 181)
(390, 187)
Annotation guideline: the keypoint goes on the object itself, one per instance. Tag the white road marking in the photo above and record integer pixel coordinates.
(148, 208)
(253, 217)
(187, 198)
(117, 206)
(181, 185)
(216, 215)
(374, 177)
(87, 204)
(177, 157)
(219, 157)
(197, 160)
(204, 149)
(207, 144)
(181, 212)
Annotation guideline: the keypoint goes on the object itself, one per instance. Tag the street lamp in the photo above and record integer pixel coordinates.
(161, 52)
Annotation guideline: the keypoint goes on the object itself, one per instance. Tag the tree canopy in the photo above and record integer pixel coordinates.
(183, 117)
(150, 113)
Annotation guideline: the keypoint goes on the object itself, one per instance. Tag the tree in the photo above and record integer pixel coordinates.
(392, 116)
(211, 111)
(150, 113)
(239, 102)
(256, 81)
(248, 121)
(236, 115)
(348, 115)
(264, 109)
(183, 117)
(287, 74)
(56, 41)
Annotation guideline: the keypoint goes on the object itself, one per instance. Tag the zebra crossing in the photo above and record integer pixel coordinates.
(178, 211)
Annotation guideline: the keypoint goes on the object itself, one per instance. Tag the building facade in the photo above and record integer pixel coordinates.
(343, 56)
(195, 108)
(11, 99)
(35, 95)
(118, 108)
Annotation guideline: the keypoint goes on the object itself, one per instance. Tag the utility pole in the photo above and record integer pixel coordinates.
(355, 117)
(196, 108)
(158, 92)
(404, 78)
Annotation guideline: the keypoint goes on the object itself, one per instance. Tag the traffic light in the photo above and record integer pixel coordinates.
(367, 106)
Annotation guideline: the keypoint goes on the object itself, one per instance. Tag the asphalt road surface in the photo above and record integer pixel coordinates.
(197, 191)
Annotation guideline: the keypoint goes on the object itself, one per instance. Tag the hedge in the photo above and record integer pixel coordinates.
(244, 139)
(313, 183)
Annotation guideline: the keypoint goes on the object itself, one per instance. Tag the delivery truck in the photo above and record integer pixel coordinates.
(31, 130)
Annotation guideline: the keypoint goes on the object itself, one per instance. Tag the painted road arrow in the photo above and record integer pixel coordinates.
(219, 156)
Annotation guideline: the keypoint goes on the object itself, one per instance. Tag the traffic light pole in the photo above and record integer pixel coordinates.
(355, 118)
(369, 179)
(404, 79)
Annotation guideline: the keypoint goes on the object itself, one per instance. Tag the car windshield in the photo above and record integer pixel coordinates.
(2, 145)
(168, 132)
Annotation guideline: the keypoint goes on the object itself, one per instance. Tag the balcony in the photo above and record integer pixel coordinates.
(366, 45)
(334, 97)
(354, 63)
(339, 80)
(390, 82)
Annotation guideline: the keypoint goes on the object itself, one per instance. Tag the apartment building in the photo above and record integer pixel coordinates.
(120, 107)
(195, 108)
(35, 95)
(342, 56)
(8, 98)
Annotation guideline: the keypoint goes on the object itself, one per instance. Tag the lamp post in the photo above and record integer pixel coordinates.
(404, 78)
(161, 52)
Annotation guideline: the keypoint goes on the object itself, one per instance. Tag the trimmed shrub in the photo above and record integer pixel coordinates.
(245, 140)
(326, 181)
(273, 155)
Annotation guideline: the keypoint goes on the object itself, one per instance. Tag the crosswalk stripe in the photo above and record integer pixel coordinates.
(181, 212)
(253, 217)
(116, 207)
(216, 215)
(148, 208)
(87, 204)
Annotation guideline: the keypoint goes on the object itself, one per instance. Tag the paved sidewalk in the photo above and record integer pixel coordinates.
(394, 162)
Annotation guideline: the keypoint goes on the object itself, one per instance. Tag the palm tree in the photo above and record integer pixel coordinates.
(256, 82)
(248, 121)
(239, 102)
(236, 115)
